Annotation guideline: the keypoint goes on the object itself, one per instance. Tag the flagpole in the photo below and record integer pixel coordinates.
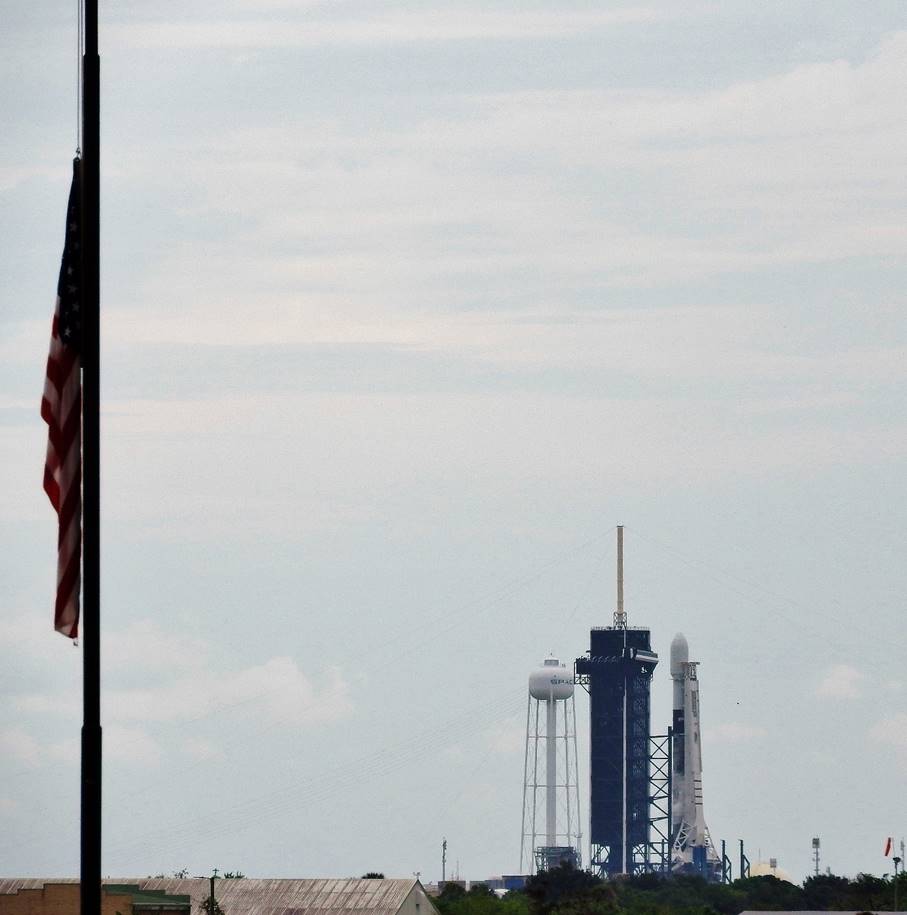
(90, 878)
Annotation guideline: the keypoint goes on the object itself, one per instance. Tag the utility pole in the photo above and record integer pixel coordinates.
(443, 860)
(212, 905)
(897, 861)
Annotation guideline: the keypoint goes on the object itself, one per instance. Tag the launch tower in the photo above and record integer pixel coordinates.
(617, 674)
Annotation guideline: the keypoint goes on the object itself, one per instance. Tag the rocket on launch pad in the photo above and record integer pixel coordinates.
(691, 845)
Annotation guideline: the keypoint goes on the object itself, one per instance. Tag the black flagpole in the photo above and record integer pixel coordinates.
(90, 878)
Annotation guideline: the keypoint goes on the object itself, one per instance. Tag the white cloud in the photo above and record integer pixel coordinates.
(289, 696)
(841, 682)
(13, 175)
(508, 736)
(67, 751)
(891, 730)
(63, 704)
(145, 646)
(422, 435)
(395, 224)
(17, 744)
(30, 635)
(201, 749)
(387, 27)
(277, 690)
(21, 746)
(131, 745)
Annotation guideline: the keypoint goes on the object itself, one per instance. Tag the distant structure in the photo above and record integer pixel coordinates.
(617, 674)
(550, 769)
(816, 846)
(691, 844)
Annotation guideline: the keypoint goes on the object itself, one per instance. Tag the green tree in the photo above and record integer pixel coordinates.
(827, 892)
(682, 894)
(479, 889)
(768, 893)
(599, 899)
(547, 890)
(480, 900)
(373, 875)
(870, 892)
(451, 891)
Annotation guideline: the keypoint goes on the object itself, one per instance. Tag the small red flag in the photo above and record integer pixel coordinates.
(61, 409)
(888, 846)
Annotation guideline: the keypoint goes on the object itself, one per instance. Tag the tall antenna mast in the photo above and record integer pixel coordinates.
(620, 617)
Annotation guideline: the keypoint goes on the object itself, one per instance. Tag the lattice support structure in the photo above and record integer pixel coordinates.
(656, 852)
(744, 863)
(727, 875)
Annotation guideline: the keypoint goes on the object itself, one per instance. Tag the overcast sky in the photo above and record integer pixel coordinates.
(405, 306)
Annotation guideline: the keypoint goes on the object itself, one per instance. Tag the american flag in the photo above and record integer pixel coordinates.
(61, 409)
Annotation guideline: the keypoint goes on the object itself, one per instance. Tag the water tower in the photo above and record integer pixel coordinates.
(550, 772)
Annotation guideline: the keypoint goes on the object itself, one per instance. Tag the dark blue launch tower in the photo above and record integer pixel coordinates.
(617, 674)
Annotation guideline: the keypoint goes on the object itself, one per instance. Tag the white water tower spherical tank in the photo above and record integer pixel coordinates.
(551, 681)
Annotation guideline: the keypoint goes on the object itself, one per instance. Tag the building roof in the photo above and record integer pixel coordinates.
(142, 901)
(250, 896)
(150, 899)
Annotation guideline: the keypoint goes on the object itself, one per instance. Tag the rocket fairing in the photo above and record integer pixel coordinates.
(691, 845)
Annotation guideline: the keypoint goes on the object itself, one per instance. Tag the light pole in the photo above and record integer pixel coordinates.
(897, 861)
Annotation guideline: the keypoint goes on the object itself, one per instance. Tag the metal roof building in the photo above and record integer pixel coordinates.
(62, 898)
(249, 896)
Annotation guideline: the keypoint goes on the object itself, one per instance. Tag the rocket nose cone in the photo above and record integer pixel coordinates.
(680, 654)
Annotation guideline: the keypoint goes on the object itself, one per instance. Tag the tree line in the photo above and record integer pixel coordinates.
(567, 891)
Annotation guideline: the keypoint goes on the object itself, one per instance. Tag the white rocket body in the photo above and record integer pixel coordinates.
(692, 848)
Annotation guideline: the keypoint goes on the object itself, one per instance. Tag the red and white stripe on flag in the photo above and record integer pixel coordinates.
(888, 846)
(61, 409)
